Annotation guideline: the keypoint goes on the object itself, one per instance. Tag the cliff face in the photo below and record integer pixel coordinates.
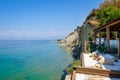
(71, 40)
(82, 33)
(75, 40)
(91, 23)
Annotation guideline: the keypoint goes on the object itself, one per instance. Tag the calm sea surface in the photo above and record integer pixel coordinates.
(32, 60)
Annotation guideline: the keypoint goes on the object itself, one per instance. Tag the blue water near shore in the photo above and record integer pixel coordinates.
(32, 60)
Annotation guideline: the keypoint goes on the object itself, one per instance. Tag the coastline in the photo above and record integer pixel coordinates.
(37, 59)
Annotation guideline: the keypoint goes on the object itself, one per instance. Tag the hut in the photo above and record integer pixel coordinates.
(109, 27)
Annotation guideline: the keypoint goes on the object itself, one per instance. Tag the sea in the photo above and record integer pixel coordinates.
(32, 60)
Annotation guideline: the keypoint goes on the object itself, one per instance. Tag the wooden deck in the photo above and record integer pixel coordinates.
(94, 71)
(100, 72)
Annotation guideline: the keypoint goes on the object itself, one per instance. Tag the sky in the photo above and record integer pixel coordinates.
(42, 19)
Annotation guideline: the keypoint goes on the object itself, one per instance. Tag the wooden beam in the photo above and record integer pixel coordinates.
(99, 29)
(110, 24)
(83, 64)
(99, 37)
(94, 40)
(113, 23)
(108, 38)
(74, 75)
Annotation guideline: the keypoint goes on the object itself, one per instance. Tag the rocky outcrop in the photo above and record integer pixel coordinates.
(91, 23)
(75, 40)
(71, 40)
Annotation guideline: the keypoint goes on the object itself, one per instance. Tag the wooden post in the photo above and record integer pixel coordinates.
(99, 37)
(83, 63)
(118, 47)
(94, 38)
(74, 75)
(108, 38)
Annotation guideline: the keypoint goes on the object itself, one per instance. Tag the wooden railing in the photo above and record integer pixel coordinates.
(86, 43)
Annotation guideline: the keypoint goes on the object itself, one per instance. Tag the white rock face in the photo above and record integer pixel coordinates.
(72, 39)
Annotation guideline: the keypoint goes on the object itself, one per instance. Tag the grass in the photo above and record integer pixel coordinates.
(70, 68)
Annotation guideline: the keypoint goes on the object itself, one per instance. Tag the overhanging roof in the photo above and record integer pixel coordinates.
(114, 26)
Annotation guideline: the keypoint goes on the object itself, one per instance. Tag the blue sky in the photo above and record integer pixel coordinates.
(42, 19)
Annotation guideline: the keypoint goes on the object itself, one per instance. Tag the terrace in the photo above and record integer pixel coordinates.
(100, 65)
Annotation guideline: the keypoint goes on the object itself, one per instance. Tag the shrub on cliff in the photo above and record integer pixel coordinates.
(72, 65)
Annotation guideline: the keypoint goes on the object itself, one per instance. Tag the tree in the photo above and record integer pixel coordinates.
(107, 14)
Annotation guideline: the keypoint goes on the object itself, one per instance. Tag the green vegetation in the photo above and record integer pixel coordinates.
(91, 47)
(90, 37)
(113, 48)
(72, 65)
(109, 10)
(107, 14)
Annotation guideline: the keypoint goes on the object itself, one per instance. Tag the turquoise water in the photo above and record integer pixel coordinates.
(32, 60)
